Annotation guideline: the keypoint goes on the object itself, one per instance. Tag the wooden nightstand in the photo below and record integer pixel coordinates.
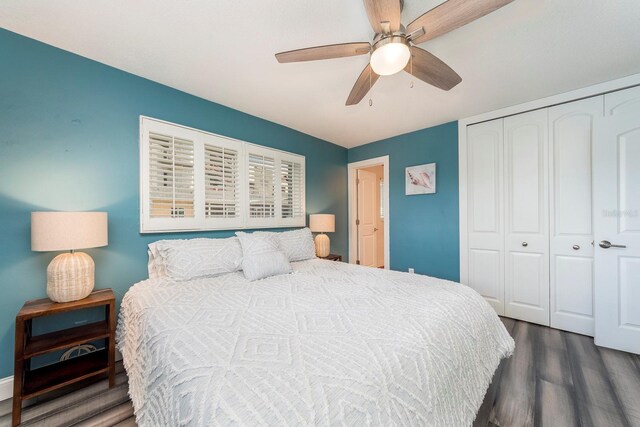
(332, 257)
(29, 383)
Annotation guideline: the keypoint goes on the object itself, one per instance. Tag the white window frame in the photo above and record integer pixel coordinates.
(200, 222)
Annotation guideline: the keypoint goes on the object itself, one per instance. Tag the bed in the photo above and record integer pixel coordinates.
(331, 343)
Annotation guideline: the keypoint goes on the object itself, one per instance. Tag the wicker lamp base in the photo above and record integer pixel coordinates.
(70, 277)
(322, 245)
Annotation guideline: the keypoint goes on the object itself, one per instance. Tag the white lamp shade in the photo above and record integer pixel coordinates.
(65, 231)
(322, 223)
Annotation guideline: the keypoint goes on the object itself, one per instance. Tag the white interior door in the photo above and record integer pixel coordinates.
(571, 222)
(527, 217)
(485, 211)
(616, 178)
(367, 221)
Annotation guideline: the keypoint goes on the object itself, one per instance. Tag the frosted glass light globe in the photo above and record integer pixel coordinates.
(390, 58)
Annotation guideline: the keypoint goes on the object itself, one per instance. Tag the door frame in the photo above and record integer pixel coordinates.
(353, 203)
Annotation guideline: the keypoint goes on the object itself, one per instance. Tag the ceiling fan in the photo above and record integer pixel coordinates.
(394, 49)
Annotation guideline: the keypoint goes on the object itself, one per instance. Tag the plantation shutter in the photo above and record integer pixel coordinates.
(194, 180)
(291, 182)
(222, 182)
(261, 176)
(171, 177)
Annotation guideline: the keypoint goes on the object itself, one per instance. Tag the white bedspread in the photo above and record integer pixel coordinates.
(330, 344)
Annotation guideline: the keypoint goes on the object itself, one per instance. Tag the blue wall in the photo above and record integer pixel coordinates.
(424, 228)
(69, 141)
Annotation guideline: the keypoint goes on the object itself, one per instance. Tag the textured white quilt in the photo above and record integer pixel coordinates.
(329, 344)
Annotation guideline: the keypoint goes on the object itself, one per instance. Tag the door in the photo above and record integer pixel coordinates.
(485, 211)
(571, 222)
(527, 217)
(367, 220)
(616, 181)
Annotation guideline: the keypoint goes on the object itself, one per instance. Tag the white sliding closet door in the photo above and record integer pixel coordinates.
(571, 223)
(616, 173)
(527, 217)
(485, 207)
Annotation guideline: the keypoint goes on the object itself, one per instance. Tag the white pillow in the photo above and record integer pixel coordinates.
(297, 245)
(188, 259)
(261, 257)
(155, 265)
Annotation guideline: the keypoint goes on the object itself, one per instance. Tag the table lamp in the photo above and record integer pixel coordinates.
(322, 223)
(70, 276)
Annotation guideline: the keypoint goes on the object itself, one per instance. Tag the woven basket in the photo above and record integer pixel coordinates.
(70, 277)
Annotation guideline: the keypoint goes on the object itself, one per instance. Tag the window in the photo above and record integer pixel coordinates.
(262, 191)
(222, 182)
(170, 176)
(292, 189)
(195, 180)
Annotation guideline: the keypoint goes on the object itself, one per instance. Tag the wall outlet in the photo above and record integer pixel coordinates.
(411, 270)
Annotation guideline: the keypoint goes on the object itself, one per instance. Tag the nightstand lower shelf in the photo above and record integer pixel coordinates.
(60, 374)
(41, 344)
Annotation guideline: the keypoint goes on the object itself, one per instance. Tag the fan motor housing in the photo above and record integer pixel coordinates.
(402, 32)
(384, 39)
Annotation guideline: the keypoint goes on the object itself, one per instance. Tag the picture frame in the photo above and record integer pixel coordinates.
(420, 179)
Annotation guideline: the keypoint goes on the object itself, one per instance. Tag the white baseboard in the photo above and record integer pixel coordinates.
(6, 388)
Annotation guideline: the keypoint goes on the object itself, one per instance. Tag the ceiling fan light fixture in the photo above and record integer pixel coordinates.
(390, 55)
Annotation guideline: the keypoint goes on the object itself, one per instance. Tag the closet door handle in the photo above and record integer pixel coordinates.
(576, 247)
(525, 244)
(605, 244)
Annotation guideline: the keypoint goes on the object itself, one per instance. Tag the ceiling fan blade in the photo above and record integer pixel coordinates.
(432, 70)
(365, 81)
(331, 51)
(450, 15)
(380, 11)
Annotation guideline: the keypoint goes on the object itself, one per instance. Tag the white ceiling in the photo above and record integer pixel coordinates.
(222, 50)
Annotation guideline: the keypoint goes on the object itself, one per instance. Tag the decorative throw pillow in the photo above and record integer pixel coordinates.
(189, 259)
(297, 245)
(261, 257)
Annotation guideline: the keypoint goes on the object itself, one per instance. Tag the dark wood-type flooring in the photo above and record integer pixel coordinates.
(557, 378)
(93, 405)
(554, 378)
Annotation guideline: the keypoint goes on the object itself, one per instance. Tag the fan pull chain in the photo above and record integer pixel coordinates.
(370, 100)
(411, 68)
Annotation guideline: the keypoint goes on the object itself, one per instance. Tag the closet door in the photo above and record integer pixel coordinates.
(485, 207)
(571, 222)
(616, 173)
(527, 217)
